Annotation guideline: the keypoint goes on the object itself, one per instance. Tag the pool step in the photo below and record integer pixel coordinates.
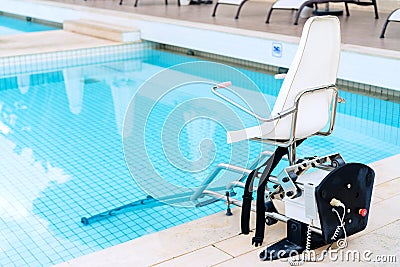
(103, 30)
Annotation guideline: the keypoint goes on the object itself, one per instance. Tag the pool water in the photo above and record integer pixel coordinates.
(9, 26)
(62, 156)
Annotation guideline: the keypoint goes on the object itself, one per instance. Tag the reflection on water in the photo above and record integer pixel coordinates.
(74, 85)
(22, 179)
(16, 200)
(23, 82)
(122, 91)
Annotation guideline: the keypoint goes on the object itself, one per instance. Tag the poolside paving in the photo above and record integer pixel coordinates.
(48, 41)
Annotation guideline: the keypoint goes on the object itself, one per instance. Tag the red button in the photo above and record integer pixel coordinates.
(363, 212)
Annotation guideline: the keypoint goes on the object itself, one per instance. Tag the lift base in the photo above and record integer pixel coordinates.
(294, 244)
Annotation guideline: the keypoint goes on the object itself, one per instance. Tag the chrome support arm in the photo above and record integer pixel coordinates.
(225, 85)
(199, 191)
(223, 166)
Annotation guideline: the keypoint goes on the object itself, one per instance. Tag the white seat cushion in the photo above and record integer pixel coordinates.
(288, 4)
(231, 2)
(395, 16)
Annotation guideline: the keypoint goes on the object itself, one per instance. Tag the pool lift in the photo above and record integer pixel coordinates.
(325, 198)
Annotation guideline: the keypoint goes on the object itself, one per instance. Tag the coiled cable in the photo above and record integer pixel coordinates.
(342, 243)
(300, 260)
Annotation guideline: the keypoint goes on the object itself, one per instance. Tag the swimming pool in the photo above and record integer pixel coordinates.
(10, 25)
(62, 158)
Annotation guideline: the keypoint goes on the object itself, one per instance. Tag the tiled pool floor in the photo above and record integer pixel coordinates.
(214, 240)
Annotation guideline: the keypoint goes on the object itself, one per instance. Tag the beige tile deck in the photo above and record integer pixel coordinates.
(207, 256)
(47, 41)
(386, 169)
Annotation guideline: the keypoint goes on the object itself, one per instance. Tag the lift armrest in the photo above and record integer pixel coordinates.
(225, 85)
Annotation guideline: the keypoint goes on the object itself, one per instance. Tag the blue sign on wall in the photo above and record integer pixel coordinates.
(277, 49)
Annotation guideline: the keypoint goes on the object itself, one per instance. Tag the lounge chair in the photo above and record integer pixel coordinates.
(136, 2)
(394, 16)
(238, 3)
(298, 5)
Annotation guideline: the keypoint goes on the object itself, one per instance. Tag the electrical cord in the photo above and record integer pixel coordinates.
(342, 243)
(337, 203)
(300, 260)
